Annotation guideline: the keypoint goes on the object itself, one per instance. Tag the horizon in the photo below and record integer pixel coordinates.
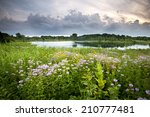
(73, 33)
(51, 17)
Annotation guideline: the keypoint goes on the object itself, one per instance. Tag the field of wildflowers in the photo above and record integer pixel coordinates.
(30, 72)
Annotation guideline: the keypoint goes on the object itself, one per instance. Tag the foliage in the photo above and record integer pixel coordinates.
(30, 72)
(5, 38)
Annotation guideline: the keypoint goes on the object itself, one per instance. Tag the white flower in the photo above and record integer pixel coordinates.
(130, 85)
(59, 75)
(21, 81)
(59, 69)
(27, 79)
(67, 68)
(115, 80)
(21, 71)
(122, 74)
(141, 98)
(49, 73)
(147, 92)
(127, 90)
(119, 85)
(21, 74)
(112, 84)
(136, 89)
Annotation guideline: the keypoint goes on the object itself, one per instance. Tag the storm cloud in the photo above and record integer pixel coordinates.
(63, 17)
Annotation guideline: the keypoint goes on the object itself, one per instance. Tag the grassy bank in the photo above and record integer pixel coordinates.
(30, 72)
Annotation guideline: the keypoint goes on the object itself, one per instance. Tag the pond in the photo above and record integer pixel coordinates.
(82, 44)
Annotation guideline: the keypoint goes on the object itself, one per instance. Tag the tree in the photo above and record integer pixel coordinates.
(74, 36)
(4, 37)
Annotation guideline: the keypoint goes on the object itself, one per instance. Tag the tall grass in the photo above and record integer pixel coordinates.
(30, 72)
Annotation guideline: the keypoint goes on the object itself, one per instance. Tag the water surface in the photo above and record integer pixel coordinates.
(120, 46)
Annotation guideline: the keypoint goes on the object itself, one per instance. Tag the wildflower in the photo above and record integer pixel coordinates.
(27, 79)
(21, 74)
(92, 61)
(86, 66)
(81, 62)
(132, 89)
(76, 54)
(119, 85)
(59, 75)
(116, 60)
(21, 81)
(64, 61)
(34, 74)
(13, 74)
(112, 84)
(67, 68)
(30, 61)
(141, 98)
(127, 89)
(147, 92)
(74, 68)
(49, 73)
(122, 74)
(59, 69)
(43, 66)
(113, 67)
(69, 53)
(67, 72)
(87, 63)
(20, 61)
(20, 71)
(115, 80)
(130, 85)
(136, 89)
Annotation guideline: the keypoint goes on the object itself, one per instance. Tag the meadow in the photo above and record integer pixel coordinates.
(29, 72)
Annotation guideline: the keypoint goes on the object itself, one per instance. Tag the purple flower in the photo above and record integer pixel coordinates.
(49, 73)
(130, 85)
(115, 80)
(141, 98)
(43, 66)
(147, 92)
(136, 89)
(81, 62)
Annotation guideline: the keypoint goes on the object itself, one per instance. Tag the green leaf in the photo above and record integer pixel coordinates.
(99, 76)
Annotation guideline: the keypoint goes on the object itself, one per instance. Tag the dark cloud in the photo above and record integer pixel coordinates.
(73, 22)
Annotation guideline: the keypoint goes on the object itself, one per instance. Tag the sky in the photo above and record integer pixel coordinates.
(64, 17)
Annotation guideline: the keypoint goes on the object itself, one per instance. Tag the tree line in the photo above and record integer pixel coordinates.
(5, 38)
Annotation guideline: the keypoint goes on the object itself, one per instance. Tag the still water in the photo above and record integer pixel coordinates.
(89, 44)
